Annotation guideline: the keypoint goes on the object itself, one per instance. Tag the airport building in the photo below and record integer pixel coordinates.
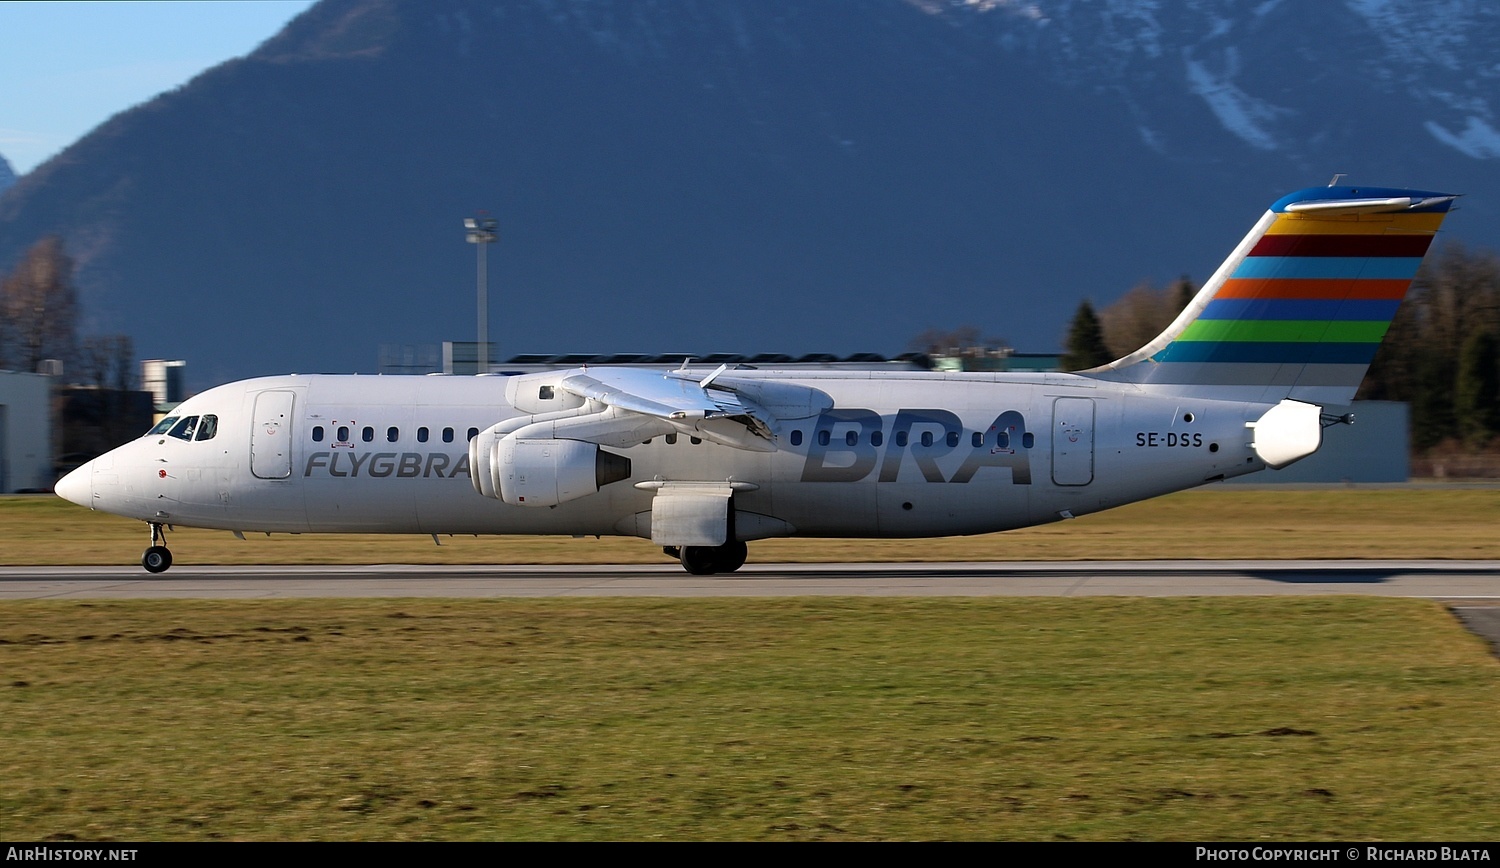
(163, 378)
(25, 432)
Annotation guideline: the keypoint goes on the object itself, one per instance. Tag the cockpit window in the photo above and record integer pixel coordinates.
(208, 427)
(163, 426)
(184, 429)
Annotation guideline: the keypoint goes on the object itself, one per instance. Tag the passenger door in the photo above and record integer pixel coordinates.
(271, 435)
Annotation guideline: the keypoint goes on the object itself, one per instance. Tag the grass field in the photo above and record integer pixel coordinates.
(1158, 719)
(1215, 522)
(1276, 719)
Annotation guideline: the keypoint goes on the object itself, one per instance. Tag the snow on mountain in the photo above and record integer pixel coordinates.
(1264, 69)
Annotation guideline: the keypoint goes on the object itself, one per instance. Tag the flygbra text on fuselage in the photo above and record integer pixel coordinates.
(701, 462)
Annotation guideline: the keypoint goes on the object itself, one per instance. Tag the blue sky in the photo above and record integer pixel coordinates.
(66, 67)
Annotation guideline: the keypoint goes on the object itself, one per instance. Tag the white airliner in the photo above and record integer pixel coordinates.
(702, 462)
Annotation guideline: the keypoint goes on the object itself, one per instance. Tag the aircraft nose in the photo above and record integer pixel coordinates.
(78, 486)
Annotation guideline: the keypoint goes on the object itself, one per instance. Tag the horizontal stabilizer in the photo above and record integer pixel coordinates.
(1392, 205)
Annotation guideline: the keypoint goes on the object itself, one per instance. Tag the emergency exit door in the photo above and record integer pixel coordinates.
(1073, 441)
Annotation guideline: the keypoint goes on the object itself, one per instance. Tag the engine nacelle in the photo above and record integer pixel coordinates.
(481, 466)
(550, 472)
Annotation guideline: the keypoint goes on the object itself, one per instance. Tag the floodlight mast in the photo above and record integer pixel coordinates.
(482, 232)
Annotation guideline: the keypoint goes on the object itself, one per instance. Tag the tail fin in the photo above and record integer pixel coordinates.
(1299, 308)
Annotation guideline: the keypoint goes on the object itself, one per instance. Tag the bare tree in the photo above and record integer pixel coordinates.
(1142, 314)
(107, 362)
(965, 340)
(40, 307)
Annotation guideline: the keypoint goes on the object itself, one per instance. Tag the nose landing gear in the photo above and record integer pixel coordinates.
(158, 558)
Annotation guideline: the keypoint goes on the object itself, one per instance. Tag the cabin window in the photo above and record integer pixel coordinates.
(851, 438)
(317, 433)
(473, 432)
(392, 434)
(797, 437)
(163, 426)
(926, 438)
(343, 433)
(1028, 440)
(367, 435)
(977, 439)
(671, 439)
(184, 429)
(422, 434)
(823, 438)
(952, 439)
(876, 438)
(544, 393)
(901, 439)
(695, 440)
(208, 427)
(1002, 439)
(447, 435)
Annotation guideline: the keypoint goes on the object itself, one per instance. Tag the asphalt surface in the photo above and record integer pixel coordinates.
(1470, 588)
(1475, 582)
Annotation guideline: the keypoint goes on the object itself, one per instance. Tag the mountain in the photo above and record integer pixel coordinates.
(7, 175)
(710, 175)
(1307, 81)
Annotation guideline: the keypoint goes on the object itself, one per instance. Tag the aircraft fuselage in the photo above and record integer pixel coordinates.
(897, 455)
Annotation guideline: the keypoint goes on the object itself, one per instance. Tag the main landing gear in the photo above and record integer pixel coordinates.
(707, 560)
(158, 558)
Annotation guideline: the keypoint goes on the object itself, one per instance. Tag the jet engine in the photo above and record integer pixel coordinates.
(550, 472)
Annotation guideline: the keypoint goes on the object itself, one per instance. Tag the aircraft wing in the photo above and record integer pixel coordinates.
(653, 394)
(694, 406)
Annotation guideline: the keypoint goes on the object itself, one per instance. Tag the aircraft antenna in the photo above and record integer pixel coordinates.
(1338, 176)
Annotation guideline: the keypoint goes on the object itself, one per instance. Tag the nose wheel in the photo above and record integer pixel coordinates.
(158, 558)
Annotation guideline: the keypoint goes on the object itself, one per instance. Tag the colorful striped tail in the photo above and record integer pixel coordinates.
(1301, 305)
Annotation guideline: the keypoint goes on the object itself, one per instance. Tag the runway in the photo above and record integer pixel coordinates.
(1470, 582)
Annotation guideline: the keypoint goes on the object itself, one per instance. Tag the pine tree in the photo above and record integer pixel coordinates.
(1085, 346)
(1184, 291)
(1476, 398)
